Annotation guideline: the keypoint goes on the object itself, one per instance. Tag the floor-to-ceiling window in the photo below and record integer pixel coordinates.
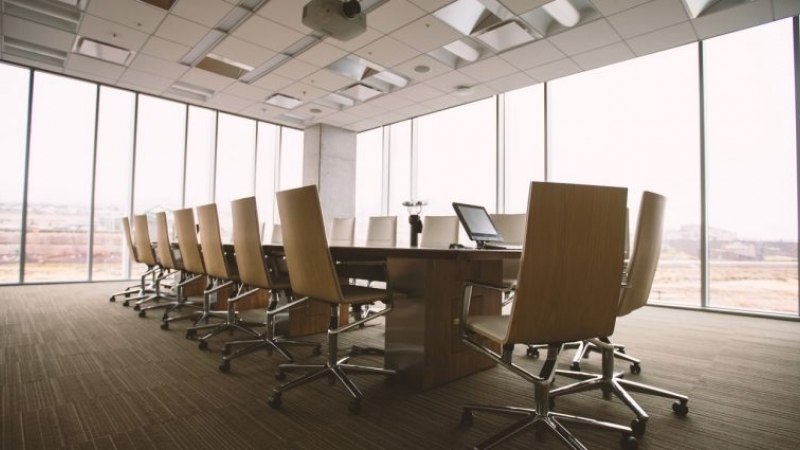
(400, 173)
(369, 179)
(201, 138)
(752, 169)
(14, 90)
(112, 192)
(60, 178)
(524, 144)
(266, 161)
(236, 160)
(291, 167)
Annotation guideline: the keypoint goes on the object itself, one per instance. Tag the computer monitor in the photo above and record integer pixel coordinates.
(477, 223)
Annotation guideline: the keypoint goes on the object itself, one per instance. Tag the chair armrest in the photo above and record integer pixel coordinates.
(467, 299)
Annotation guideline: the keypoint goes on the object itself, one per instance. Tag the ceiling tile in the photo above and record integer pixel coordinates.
(32, 63)
(365, 110)
(38, 34)
(670, 37)
(390, 102)
(131, 13)
(426, 34)
(180, 30)
(649, 17)
(435, 67)
(327, 80)
(419, 92)
(90, 76)
(112, 33)
(228, 102)
(554, 70)
(585, 37)
(322, 54)
(415, 110)
(450, 81)
(511, 82)
(735, 18)
(342, 118)
(393, 15)
(604, 56)
(203, 78)
(143, 89)
(522, 6)
(315, 110)
(106, 70)
(242, 51)
(430, 5)
(246, 91)
(267, 33)
(304, 92)
(164, 49)
(204, 12)
(785, 8)
(273, 82)
(386, 52)
(152, 82)
(157, 66)
(357, 42)
(286, 12)
(488, 69)
(609, 7)
(443, 102)
(534, 54)
(295, 69)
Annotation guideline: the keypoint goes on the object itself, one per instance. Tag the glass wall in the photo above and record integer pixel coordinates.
(60, 178)
(524, 144)
(266, 161)
(112, 193)
(103, 152)
(13, 142)
(400, 173)
(369, 180)
(752, 169)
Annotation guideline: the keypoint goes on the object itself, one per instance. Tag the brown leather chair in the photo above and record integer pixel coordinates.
(257, 272)
(635, 293)
(567, 290)
(313, 275)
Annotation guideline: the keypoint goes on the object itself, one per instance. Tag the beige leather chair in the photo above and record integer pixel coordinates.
(567, 290)
(343, 231)
(147, 256)
(191, 263)
(382, 231)
(313, 275)
(634, 295)
(277, 235)
(256, 273)
(512, 228)
(439, 231)
(141, 290)
(223, 274)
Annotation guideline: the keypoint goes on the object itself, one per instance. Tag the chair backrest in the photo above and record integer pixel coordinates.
(306, 247)
(382, 231)
(343, 231)
(211, 243)
(126, 229)
(277, 235)
(439, 231)
(162, 238)
(141, 239)
(572, 263)
(646, 252)
(247, 244)
(187, 241)
(511, 227)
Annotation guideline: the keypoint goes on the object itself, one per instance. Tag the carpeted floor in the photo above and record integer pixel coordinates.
(78, 372)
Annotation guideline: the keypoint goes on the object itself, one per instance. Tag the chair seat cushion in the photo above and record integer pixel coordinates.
(362, 294)
(492, 327)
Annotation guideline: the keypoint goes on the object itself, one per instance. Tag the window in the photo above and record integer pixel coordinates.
(266, 159)
(369, 179)
(291, 170)
(14, 84)
(400, 177)
(60, 178)
(112, 191)
(201, 141)
(524, 145)
(636, 125)
(752, 176)
(236, 153)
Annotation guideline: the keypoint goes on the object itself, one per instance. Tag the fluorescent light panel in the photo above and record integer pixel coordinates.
(268, 66)
(34, 52)
(52, 14)
(191, 91)
(230, 22)
(283, 101)
(505, 36)
(100, 50)
(209, 41)
(360, 92)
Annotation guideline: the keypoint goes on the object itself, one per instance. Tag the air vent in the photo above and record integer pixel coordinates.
(55, 14)
(360, 92)
(223, 66)
(34, 52)
(161, 4)
(283, 101)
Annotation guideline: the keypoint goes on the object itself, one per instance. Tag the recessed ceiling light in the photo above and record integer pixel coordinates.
(101, 50)
(505, 36)
(464, 91)
(422, 68)
(315, 110)
(284, 101)
(361, 92)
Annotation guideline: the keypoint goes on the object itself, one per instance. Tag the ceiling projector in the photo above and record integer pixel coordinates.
(339, 20)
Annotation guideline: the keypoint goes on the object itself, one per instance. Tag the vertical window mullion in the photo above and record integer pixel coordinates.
(24, 228)
(90, 245)
(500, 191)
(704, 269)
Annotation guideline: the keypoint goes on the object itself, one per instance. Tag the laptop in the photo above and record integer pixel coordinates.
(479, 225)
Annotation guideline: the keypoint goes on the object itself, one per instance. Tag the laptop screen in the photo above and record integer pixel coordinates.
(477, 223)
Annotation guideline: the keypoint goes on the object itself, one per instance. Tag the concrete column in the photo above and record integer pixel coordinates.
(329, 161)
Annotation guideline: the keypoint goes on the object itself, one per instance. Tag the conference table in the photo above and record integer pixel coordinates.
(421, 333)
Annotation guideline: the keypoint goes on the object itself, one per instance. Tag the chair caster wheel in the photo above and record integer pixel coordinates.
(225, 367)
(142, 313)
(628, 442)
(636, 369)
(165, 325)
(136, 307)
(680, 408)
(190, 334)
(202, 345)
(575, 366)
(532, 352)
(467, 417)
(316, 351)
(226, 350)
(112, 299)
(125, 303)
(638, 426)
(354, 407)
(280, 375)
(274, 401)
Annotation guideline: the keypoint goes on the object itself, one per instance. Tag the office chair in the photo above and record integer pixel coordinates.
(634, 295)
(277, 235)
(223, 274)
(512, 228)
(147, 255)
(343, 231)
(382, 231)
(313, 275)
(141, 290)
(567, 290)
(439, 231)
(256, 272)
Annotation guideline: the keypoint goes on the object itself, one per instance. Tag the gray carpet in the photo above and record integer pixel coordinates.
(78, 372)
